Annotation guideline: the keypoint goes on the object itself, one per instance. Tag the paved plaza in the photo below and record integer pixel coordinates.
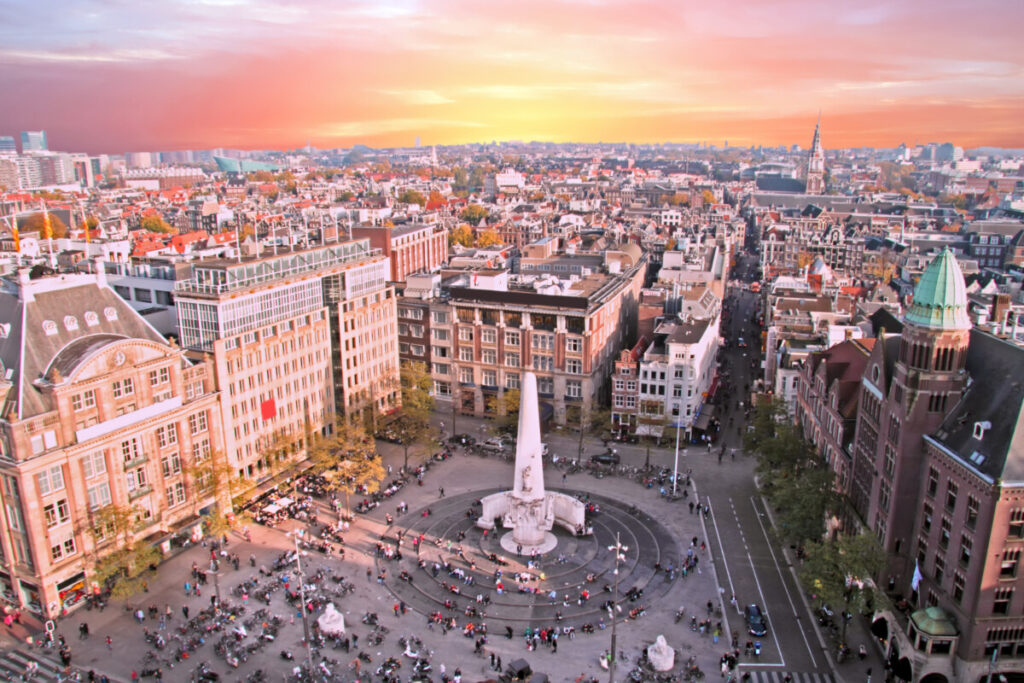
(463, 478)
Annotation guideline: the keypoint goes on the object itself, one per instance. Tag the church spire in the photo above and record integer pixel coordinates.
(815, 172)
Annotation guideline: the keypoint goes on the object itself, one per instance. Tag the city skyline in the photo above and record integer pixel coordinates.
(111, 76)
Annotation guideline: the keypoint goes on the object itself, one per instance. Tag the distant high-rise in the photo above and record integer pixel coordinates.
(816, 164)
(7, 144)
(33, 141)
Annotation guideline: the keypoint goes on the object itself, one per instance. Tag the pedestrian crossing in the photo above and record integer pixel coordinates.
(14, 663)
(780, 677)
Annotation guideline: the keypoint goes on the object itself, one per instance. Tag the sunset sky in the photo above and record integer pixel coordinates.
(134, 75)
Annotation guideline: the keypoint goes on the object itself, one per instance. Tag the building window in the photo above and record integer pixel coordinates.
(99, 495)
(175, 495)
(83, 401)
(94, 464)
(543, 363)
(1008, 567)
(439, 334)
(466, 334)
(200, 451)
(972, 511)
(940, 569)
(442, 388)
(488, 336)
(1001, 600)
(933, 482)
(544, 342)
(926, 518)
(574, 366)
(124, 387)
(545, 385)
(440, 368)
(573, 389)
(62, 549)
(135, 479)
(966, 544)
(512, 360)
(466, 354)
(466, 375)
(439, 317)
(951, 491)
(511, 380)
(50, 480)
(511, 338)
(167, 435)
(130, 450)
(573, 345)
(958, 586)
(170, 464)
(143, 295)
(159, 376)
(197, 423)
(1016, 527)
(489, 357)
(944, 533)
(489, 378)
(57, 513)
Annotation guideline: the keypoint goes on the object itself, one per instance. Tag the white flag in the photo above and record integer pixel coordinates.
(916, 581)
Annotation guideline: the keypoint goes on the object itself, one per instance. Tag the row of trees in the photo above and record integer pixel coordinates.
(839, 568)
(347, 458)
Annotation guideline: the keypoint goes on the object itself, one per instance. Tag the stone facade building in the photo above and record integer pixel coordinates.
(98, 410)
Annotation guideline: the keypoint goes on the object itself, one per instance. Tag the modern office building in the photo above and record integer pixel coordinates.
(7, 145)
(33, 141)
(296, 338)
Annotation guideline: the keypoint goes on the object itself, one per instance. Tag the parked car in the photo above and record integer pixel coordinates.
(756, 624)
(609, 458)
(495, 443)
(741, 342)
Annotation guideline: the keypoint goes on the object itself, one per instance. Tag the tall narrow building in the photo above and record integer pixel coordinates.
(815, 173)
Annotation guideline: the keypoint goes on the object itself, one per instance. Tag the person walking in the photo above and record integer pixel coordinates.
(110, 643)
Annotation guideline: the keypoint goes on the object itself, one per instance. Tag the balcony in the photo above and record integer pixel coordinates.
(139, 492)
(141, 459)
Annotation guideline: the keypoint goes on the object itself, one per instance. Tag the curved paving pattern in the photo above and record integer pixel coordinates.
(647, 540)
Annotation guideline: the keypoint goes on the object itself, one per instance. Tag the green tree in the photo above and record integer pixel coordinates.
(473, 214)
(345, 196)
(798, 483)
(123, 564)
(460, 179)
(36, 222)
(588, 420)
(412, 197)
(463, 234)
(261, 176)
(476, 178)
(348, 460)
(504, 410)
(155, 224)
(841, 572)
(413, 424)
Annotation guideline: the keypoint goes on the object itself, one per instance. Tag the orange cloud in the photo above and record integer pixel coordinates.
(266, 74)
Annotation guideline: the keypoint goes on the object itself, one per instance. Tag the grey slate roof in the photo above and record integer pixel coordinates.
(995, 395)
(28, 351)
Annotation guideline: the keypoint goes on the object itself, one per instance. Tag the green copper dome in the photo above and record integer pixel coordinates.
(940, 298)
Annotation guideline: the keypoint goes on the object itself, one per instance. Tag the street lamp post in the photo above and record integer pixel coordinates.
(618, 549)
(216, 581)
(302, 596)
(675, 466)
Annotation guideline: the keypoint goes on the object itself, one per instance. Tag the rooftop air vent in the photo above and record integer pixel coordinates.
(980, 428)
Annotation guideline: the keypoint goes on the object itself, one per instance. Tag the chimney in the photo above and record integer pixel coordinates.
(100, 271)
(25, 286)
(1000, 308)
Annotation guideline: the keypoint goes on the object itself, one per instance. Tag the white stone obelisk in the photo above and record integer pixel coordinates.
(528, 484)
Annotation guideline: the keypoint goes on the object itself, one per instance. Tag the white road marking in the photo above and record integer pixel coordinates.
(789, 597)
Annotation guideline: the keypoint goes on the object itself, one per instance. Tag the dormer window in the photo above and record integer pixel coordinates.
(70, 323)
(91, 319)
(980, 428)
(49, 327)
(110, 313)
